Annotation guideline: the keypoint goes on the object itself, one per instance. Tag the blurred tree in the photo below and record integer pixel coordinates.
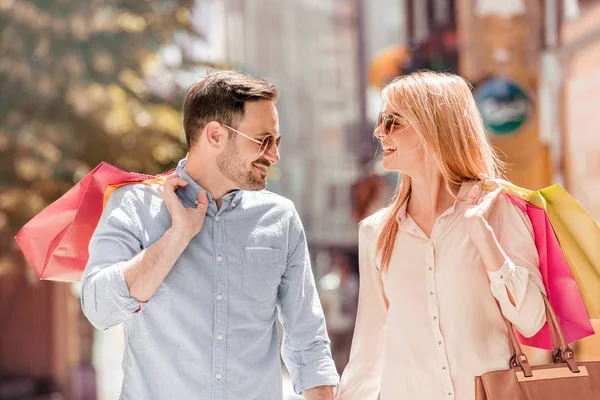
(75, 79)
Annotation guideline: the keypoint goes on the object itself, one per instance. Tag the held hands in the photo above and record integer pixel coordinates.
(187, 221)
(479, 207)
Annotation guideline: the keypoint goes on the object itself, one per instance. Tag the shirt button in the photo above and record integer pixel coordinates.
(218, 376)
(219, 258)
(217, 218)
(430, 244)
(430, 268)
(434, 318)
(443, 368)
(233, 204)
(449, 394)
(195, 201)
(219, 297)
(440, 343)
(501, 276)
(219, 337)
(431, 293)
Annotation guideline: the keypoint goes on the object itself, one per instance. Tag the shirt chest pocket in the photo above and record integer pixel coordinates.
(263, 268)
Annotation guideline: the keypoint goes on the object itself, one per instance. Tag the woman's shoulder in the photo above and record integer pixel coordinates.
(374, 222)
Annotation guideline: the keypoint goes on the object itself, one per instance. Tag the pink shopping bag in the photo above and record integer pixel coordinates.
(55, 242)
(561, 287)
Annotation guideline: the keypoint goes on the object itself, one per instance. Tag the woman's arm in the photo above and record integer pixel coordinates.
(503, 236)
(361, 379)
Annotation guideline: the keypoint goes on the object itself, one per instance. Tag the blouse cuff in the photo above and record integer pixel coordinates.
(513, 278)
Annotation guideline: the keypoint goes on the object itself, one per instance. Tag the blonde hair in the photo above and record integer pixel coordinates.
(442, 110)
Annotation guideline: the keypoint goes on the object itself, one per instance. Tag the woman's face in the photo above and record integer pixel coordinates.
(402, 146)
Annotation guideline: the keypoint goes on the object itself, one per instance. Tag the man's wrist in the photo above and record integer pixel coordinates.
(180, 234)
(319, 393)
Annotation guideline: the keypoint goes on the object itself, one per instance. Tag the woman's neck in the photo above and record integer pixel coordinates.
(429, 197)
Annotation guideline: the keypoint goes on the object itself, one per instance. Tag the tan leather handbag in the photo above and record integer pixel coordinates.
(564, 379)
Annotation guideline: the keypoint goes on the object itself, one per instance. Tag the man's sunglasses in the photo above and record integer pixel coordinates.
(265, 144)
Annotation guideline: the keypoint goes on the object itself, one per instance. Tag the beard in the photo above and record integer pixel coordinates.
(232, 168)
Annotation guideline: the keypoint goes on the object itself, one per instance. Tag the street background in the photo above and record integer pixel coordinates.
(104, 80)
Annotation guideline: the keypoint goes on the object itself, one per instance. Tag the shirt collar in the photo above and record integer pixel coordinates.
(192, 189)
(402, 214)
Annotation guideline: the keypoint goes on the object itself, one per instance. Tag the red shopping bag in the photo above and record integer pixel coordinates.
(561, 287)
(55, 242)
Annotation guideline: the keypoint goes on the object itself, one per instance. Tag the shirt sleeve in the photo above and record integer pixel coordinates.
(361, 379)
(520, 274)
(105, 297)
(306, 346)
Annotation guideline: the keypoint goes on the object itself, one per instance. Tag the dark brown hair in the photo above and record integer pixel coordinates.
(222, 96)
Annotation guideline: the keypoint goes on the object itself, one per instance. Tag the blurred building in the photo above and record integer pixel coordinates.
(499, 52)
(532, 64)
(310, 50)
(574, 79)
(578, 59)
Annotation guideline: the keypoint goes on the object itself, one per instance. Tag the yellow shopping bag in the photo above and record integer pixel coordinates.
(579, 237)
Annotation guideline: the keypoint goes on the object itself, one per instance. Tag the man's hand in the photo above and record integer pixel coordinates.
(319, 393)
(187, 221)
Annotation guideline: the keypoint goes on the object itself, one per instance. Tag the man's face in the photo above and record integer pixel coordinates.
(240, 161)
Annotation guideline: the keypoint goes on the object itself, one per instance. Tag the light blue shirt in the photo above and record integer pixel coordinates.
(209, 332)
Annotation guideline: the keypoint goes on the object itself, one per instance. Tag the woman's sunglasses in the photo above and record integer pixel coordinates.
(390, 122)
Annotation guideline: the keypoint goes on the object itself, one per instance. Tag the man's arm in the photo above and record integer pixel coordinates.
(145, 272)
(120, 276)
(306, 346)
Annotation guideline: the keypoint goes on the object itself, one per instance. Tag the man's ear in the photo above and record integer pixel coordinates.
(215, 134)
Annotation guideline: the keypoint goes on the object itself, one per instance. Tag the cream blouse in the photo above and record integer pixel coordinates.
(430, 323)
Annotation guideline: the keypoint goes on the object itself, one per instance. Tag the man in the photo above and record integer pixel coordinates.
(197, 270)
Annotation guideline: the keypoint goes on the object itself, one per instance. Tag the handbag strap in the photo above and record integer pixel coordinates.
(562, 350)
(518, 358)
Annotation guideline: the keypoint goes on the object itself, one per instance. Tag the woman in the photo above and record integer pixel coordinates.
(445, 260)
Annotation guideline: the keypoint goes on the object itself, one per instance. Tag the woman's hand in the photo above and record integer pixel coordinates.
(479, 230)
(480, 205)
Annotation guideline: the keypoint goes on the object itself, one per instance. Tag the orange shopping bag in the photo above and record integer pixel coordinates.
(55, 242)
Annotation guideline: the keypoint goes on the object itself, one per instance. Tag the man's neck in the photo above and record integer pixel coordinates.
(209, 178)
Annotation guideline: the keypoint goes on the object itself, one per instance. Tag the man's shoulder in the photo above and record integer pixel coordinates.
(137, 195)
